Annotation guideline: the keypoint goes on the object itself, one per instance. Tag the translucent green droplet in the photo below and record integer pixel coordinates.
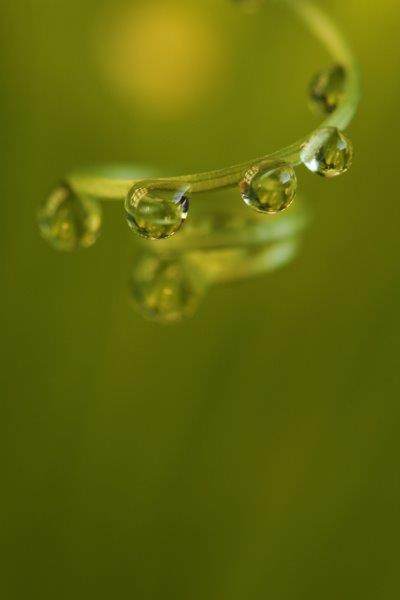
(327, 88)
(328, 153)
(269, 189)
(68, 221)
(156, 213)
(166, 290)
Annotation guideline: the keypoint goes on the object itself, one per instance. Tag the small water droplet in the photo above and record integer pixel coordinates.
(327, 88)
(166, 290)
(156, 213)
(67, 221)
(328, 153)
(269, 189)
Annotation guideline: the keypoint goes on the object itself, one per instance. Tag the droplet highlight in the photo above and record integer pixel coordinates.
(67, 221)
(327, 89)
(269, 189)
(328, 153)
(156, 213)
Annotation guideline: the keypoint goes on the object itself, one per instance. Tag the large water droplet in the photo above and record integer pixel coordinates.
(327, 88)
(269, 189)
(68, 221)
(166, 290)
(328, 153)
(156, 213)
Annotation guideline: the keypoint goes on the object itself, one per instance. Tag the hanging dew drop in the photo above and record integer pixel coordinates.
(328, 153)
(156, 213)
(269, 189)
(327, 89)
(166, 290)
(67, 221)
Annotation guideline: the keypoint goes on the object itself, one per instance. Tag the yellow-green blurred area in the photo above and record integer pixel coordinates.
(250, 452)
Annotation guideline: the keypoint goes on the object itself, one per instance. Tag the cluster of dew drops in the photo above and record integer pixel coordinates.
(68, 221)
(266, 188)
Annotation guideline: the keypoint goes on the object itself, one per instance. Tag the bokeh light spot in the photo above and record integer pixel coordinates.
(166, 58)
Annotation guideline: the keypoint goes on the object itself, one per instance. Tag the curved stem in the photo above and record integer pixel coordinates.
(327, 33)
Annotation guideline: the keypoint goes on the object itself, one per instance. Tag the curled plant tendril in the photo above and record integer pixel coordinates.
(267, 184)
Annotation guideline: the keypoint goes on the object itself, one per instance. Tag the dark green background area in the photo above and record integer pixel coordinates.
(251, 452)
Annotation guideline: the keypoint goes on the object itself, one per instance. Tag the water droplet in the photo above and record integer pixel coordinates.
(327, 88)
(156, 213)
(68, 221)
(269, 189)
(166, 290)
(328, 153)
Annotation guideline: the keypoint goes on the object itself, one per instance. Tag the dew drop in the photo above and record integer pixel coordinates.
(328, 153)
(269, 189)
(166, 290)
(327, 88)
(156, 213)
(68, 222)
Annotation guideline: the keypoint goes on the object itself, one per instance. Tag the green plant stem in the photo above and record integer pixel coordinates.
(321, 27)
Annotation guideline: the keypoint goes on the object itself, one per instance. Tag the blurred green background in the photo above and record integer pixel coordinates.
(251, 452)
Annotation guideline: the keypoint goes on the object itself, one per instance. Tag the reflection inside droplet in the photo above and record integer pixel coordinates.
(156, 213)
(269, 189)
(327, 153)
